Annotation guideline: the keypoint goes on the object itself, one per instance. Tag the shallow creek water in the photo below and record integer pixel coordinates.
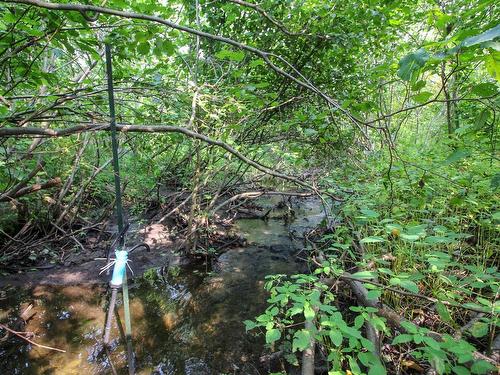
(185, 320)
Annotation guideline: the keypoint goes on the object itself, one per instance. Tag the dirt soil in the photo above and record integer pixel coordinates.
(85, 267)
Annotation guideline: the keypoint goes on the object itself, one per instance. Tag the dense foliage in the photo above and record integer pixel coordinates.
(390, 106)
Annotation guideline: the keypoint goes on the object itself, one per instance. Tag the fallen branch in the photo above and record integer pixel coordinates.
(11, 192)
(348, 276)
(31, 189)
(256, 194)
(20, 335)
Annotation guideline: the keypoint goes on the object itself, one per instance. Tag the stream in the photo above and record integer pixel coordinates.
(185, 319)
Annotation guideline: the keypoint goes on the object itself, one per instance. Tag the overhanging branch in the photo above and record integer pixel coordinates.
(126, 128)
(88, 11)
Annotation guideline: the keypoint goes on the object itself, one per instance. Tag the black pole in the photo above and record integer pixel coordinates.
(119, 219)
(114, 146)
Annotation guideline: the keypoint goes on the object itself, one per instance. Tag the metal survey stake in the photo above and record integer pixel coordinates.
(119, 277)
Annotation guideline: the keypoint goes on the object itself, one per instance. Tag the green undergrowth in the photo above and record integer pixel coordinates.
(428, 237)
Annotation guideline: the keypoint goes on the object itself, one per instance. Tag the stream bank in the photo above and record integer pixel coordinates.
(187, 318)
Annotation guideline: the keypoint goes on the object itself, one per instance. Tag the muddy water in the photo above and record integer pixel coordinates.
(186, 320)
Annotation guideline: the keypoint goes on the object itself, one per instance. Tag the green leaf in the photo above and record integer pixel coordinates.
(481, 367)
(377, 369)
(495, 181)
(410, 65)
(485, 89)
(364, 275)
(143, 48)
(492, 63)
(409, 237)
(373, 294)
(409, 285)
(422, 97)
(369, 213)
(310, 132)
(479, 329)
(409, 326)
(401, 339)
(418, 85)
(301, 340)
(443, 312)
(488, 35)
(460, 370)
(457, 155)
(429, 341)
(336, 337)
(249, 325)
(373, 239)
(308, 312)
(481, 119)
(230, 55)
(272, 335)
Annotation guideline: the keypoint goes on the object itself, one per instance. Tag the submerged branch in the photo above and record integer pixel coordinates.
(20, 335)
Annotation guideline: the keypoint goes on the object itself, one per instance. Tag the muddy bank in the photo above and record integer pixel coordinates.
(85, 267)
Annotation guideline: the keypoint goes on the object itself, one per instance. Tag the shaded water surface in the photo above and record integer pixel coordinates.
(185, 320)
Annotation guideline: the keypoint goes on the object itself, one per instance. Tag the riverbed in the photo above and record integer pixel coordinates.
(186, 319)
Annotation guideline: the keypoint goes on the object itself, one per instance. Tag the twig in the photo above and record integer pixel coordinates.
(18, 334)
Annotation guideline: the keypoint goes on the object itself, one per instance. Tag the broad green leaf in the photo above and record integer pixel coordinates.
(495, 181)
(460, 370)
(377, 369)
(457, 155)
(422, 97)
(429, 341)
(410, 65)
(143, 48)
(336, 337)
(373, 294)
(492, 63)
(249, 325)
(443, 312)
(401, 339)
(409, 326)
(486, 36)
(272, 335)
(481, 367)
(301, 340)
(369, 213)
(418, 85)
(409, 237)
(310, 132)
(479, 329)
(485, 89)
(481, 118)
(308, 312)
(409, 285)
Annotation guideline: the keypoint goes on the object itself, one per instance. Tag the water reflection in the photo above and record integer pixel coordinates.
(184, 321)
